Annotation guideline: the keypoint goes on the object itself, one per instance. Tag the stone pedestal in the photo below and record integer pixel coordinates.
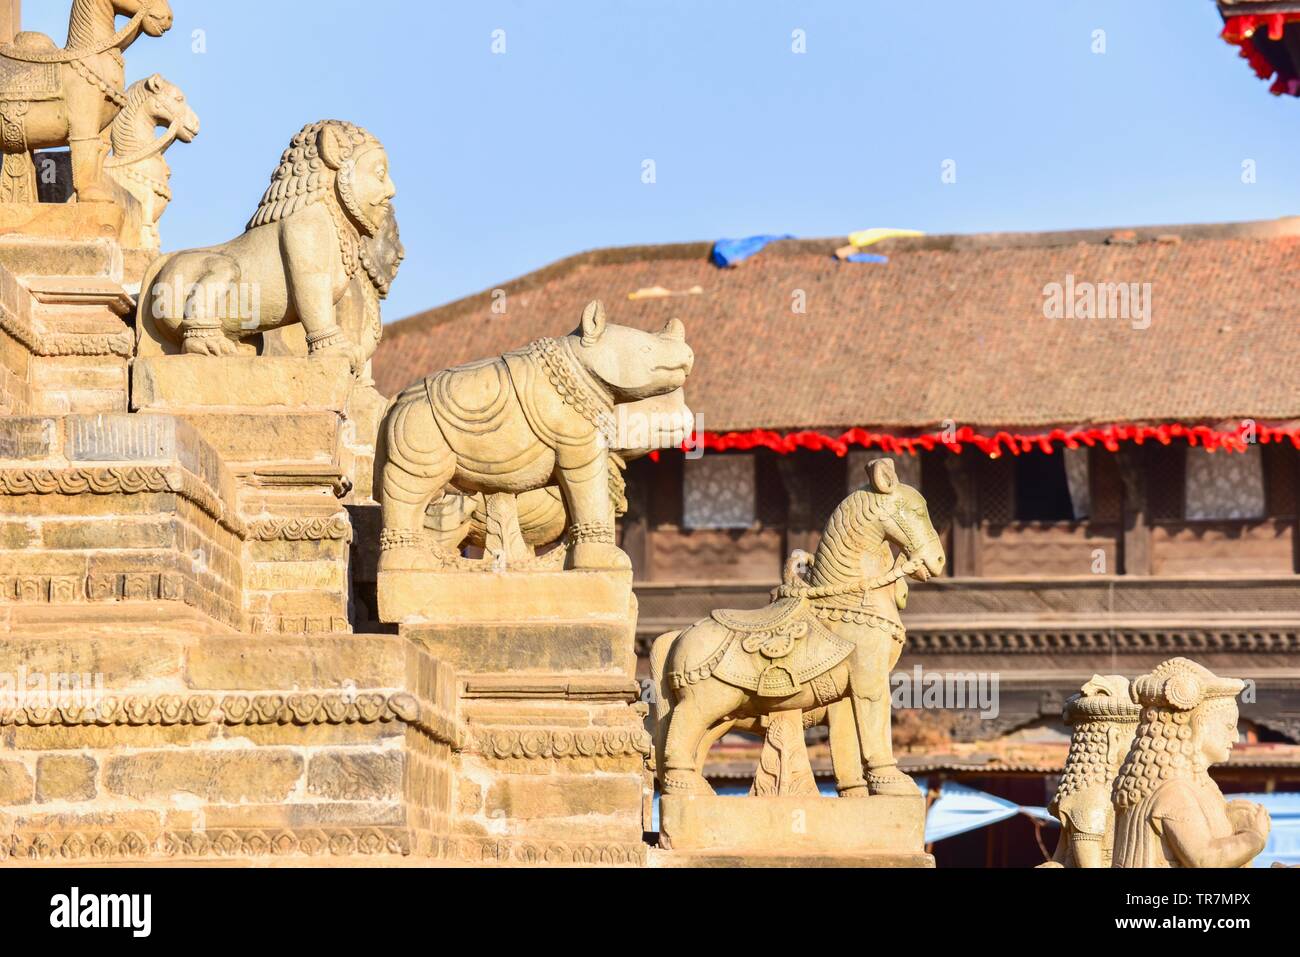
(282, 426)
(555, 764)
(177, 746)
(100, 510)
(708, 831)
(64, 342)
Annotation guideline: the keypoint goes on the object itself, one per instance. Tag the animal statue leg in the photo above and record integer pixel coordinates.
(88, 151)
(205, 327)
(869, 687)
(688, 724)
(711, 737)
(418, 464)
(846, 754)
(663, 695)
(591, 515)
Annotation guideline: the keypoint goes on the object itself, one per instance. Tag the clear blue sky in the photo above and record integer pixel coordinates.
(507, 162)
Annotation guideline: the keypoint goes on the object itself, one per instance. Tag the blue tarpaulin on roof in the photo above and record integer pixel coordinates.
(866, 258)
(960, 808)
(728, 252)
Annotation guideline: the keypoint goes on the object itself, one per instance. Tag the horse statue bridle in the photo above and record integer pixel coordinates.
(121, 38)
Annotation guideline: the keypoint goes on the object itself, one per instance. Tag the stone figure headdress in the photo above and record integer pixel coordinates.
(1104, 717)
(318, 159)
(1165, 746)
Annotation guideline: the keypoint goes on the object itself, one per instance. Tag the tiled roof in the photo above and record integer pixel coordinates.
(951, 328)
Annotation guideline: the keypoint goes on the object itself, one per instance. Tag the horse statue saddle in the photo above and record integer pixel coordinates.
(23, 80)
(774, 651)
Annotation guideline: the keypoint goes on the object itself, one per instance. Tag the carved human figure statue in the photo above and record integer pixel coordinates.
(828, 642)
(516, 424)
(1168, 810)
(295, 262)
(1104, 717)
(53, 97)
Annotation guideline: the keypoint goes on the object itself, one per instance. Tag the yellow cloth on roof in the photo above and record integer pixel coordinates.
(867, 237)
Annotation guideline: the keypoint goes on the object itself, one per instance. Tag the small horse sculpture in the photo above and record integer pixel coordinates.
(69, 97)
(137, 164)
(828, 641)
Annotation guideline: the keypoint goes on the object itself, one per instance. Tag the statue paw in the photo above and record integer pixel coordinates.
(214, 344)
(891, 781)
(408, 560)
(598, 556)
(857, 791)
(686, 783)
(338, 345)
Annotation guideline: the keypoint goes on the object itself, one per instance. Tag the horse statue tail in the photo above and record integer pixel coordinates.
(663, 694)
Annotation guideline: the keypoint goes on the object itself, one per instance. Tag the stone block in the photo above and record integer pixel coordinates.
(191, 383)
(455, 597)
(228, 777)
(16, 785)
(65, 778)
(28, 437)
(793, 826)
(532, 797)
(515, 647)
(62, 221)
(356, 775)
(271, 437)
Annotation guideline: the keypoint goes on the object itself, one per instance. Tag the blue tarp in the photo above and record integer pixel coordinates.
(959, 809)
(728, 252)
(866, 258)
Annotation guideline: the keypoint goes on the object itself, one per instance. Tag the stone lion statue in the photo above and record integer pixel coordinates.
(518, 423)
(294, 263)
(1103, 717)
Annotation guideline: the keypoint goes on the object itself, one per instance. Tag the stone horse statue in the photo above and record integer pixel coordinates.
(69, 97)
(828, 641)
(137, 165)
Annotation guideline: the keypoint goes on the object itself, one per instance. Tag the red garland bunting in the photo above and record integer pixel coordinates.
(1240, 30)
(1108, 437)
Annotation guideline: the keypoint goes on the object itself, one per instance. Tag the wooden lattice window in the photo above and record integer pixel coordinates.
(936, 486)
(1225, 485)
(1107, 487)
(1165, 480)
(664, 498)
(1282, 479)
(719, 491)
(997, 493)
